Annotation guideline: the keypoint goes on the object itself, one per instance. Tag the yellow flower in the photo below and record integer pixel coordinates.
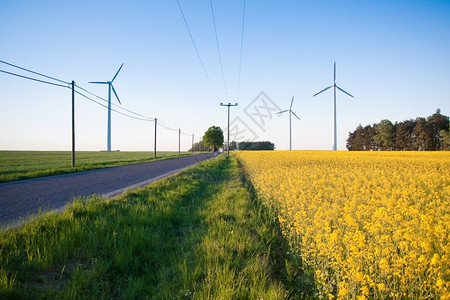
(435, 259)
(343, 291)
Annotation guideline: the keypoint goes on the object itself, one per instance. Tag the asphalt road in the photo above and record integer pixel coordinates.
(20, 199)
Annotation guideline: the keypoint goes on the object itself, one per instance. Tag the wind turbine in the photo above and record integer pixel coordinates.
(334, 86)
(290, 121)
(110, 86)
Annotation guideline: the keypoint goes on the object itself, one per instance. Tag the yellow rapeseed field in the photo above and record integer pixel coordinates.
(369, 224)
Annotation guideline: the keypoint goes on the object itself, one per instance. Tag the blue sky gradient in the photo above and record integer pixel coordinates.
(392, 56)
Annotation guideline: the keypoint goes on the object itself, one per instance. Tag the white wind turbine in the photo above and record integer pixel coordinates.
(334, 86)
(290, 121)
(110, 86)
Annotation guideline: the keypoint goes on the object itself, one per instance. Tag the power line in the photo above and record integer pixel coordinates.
(101, 104)
(34, 79)
(69, 85)
(90, 93)
(196, 50)
(118, 106)
(161, 124)
(36, 73)
(240, 56)
(59, 80)
(144, 118)
(218, 48)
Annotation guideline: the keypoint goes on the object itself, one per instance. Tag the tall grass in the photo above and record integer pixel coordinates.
(198, 235)
(17, 165)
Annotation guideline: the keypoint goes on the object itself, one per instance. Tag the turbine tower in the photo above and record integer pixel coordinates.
(334, 86)
(110, 86)
(290, 121)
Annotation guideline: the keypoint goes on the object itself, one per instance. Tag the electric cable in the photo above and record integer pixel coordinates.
(68, 85)
(118, 106)
(196, 50)
(218, 49)
(36, 73)
(101, 104)
(165, 126)
(34, 79)
(240, 55)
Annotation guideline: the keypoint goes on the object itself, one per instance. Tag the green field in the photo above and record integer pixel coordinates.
(202, 234)
(17, 165)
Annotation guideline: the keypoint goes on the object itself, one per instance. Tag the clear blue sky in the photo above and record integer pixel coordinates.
(393, 56)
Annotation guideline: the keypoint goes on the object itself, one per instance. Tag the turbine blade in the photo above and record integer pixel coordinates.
(115, 94)
(295, 115)
(344, 92)
(283, 111)
(323, 90)
(98, 82)
(117, 73)
(334, 73)
(291, 102)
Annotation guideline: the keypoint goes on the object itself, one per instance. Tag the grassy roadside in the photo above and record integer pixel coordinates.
(198, 235)
(18, 165)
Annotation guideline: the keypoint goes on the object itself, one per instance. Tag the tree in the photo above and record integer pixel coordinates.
(437, 123)
(198, 147)
(368, 134)
(213, 138)
(445, 136)
(422, 135)
(384, 135)
(233, 145)
(355, 141)
(404, 133)
(362, 139)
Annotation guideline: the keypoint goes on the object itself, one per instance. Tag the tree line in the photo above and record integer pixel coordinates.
(421, 134)
(264, 145)
(213, 140)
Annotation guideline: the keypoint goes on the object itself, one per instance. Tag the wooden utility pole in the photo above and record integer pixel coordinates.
(73, 124)
(179, 142)
(228, 138)
(156, 122)
(192, 143)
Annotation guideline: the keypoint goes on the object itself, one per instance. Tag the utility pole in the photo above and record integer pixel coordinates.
(156, 122)
(73, 124)
(179, 142)
(192, 143)
(228, 138)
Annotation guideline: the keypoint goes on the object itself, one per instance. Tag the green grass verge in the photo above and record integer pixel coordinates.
(17, 165)
(199, 235)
